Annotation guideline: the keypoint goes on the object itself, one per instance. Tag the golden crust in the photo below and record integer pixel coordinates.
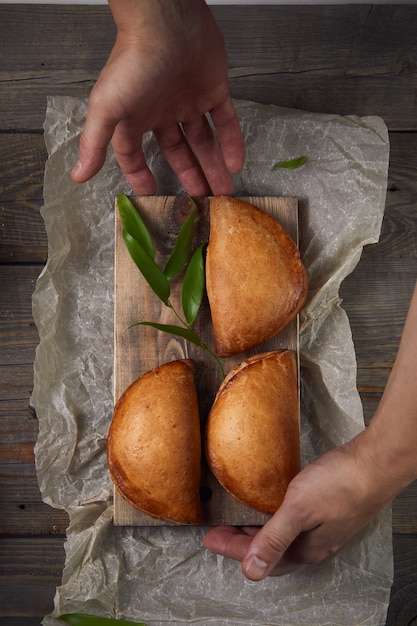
(252, 438)
(154, 444)
(256, 281)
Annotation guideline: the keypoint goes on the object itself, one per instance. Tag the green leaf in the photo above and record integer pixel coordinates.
(80, 619)
(290, 165)
(152, 273)
(134, 224)
(179, 331)
(193, 285)
(182, 247)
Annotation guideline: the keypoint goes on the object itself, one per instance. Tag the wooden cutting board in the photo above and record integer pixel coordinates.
(141, 348)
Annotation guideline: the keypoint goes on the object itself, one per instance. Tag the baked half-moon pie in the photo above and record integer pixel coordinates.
(256, 281)
(252, 437)
(154, 444)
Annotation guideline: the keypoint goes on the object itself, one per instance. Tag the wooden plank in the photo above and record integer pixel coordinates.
(404, 511)
(38, 57)
(143, 348)
(22, 233)
(338, 59)
(324, 58)
(402, 188)
(23, 99)
(24, 106)
(42, 37)
(377, 319)
(21, 506)
(30, 570)
(18, 333)
(362, 33)
(402, 610)
(374, 39)
(22, 168)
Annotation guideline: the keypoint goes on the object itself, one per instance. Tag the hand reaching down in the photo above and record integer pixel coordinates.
(167, 73)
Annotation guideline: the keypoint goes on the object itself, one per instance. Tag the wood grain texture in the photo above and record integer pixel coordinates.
(22, 168)
(353, 59)
(21, 505)
(30, 570)
(297, 59)
(18, 333)
(142, 348)
(358, 59)
(402, 610)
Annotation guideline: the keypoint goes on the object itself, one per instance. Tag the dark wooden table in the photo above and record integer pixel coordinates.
(349, 59)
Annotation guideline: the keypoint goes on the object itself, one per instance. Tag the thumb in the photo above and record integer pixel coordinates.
(94, 142)
(267, 548)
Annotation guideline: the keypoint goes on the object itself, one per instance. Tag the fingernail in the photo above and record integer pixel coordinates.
(77, 168)
(255, 568)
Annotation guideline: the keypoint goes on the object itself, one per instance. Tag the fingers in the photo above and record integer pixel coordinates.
(286, 543)
(266, 554)
(181, 158)
(260, 555)
(228, 541)
(325, 506)
(127, 146)
(201, 164)
(94, 140)
(194, 154)
(201, 140)
(227, 124)
(265, 551)
(100, 128)
(129, 154)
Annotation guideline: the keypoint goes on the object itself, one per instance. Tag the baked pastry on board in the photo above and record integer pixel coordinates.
(140, 349)
(154, 444)
(252, 439)
(256, 281)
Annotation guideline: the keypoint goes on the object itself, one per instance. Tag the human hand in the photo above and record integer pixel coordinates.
(332, 499)
(167, 73)
(326, 504)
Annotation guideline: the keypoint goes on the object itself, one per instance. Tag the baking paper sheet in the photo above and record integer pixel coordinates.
(163, 575)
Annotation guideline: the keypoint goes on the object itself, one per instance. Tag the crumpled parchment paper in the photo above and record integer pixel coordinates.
(163, 575)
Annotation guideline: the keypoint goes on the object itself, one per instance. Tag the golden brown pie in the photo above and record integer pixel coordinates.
(252, 439)
(256, 281)
(154, 444)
